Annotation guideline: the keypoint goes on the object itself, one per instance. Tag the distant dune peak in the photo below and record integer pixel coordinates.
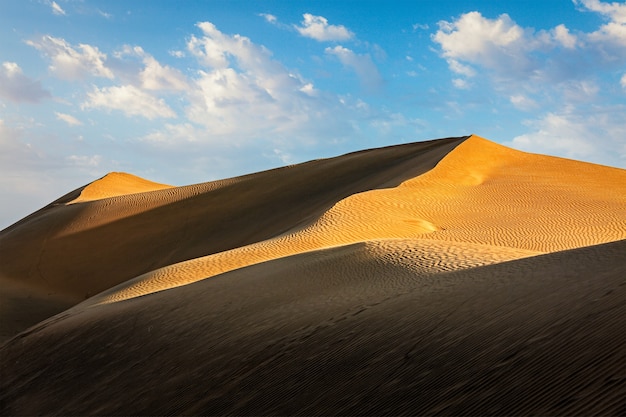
(115, 184)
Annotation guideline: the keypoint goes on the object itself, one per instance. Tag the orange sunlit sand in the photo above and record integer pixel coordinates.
(454, 276)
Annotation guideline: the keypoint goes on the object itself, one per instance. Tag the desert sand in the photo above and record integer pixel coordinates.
(448, 277)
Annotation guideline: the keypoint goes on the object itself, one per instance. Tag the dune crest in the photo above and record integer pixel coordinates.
(489, 194)
(115, 184)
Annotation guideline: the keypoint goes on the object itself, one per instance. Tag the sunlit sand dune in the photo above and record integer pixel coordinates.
(116, 184)
(493, 203)
(454, 276)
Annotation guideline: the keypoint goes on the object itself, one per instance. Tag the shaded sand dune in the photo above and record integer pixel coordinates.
(439, 277)
(347, 330)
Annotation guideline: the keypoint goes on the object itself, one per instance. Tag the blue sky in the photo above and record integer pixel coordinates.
(188, 92)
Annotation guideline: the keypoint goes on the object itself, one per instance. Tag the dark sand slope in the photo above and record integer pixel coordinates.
(347, 330)
(84, 242)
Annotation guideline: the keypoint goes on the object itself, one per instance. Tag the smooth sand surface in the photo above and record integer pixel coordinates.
(449, 277)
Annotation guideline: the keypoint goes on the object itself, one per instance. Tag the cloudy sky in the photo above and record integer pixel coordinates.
(188, 92)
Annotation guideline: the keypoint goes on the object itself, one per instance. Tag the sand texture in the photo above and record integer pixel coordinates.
(448, 277)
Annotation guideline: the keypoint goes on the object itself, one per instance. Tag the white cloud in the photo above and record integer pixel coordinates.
(361, 64)
(158, 77)
(173, 134)
(317, 27)
(623, 81)
(498, 44)
(153, 76)
(564, 37)
(459, 68)
(177, 54)
(72, 63)
(614, 11)
(214, 48)
(243, 97)
(224, 98)
(17, 87)
(460, 83)
(270, 18)
(522, 102)
(56, 9)
(612, 34)
(309, 90)
(244, 93)
(596, 136)
(130, 100)
(68, 118)
(85, 160)
(511, 54)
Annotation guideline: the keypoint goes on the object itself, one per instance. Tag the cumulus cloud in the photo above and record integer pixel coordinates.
(72, 63)
(244, 93)
(563, 36)
(612, 33)
(361, 64)
(17, 87)
(498, 44)
(510, 52)
(153, 76)
(68, 118)
(614, 11)
(623, 81)
(592, 136)
(130, 100)
(317, 27)
(159, 77)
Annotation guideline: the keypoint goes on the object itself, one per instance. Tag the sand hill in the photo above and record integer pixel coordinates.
(453, 276)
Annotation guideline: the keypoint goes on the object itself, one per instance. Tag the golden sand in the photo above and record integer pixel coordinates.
(115, 184)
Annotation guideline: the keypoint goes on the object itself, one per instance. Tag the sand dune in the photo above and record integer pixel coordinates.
(115, 184)
(347, 330)
(454, 276)
(176, 224)
(450, 202)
